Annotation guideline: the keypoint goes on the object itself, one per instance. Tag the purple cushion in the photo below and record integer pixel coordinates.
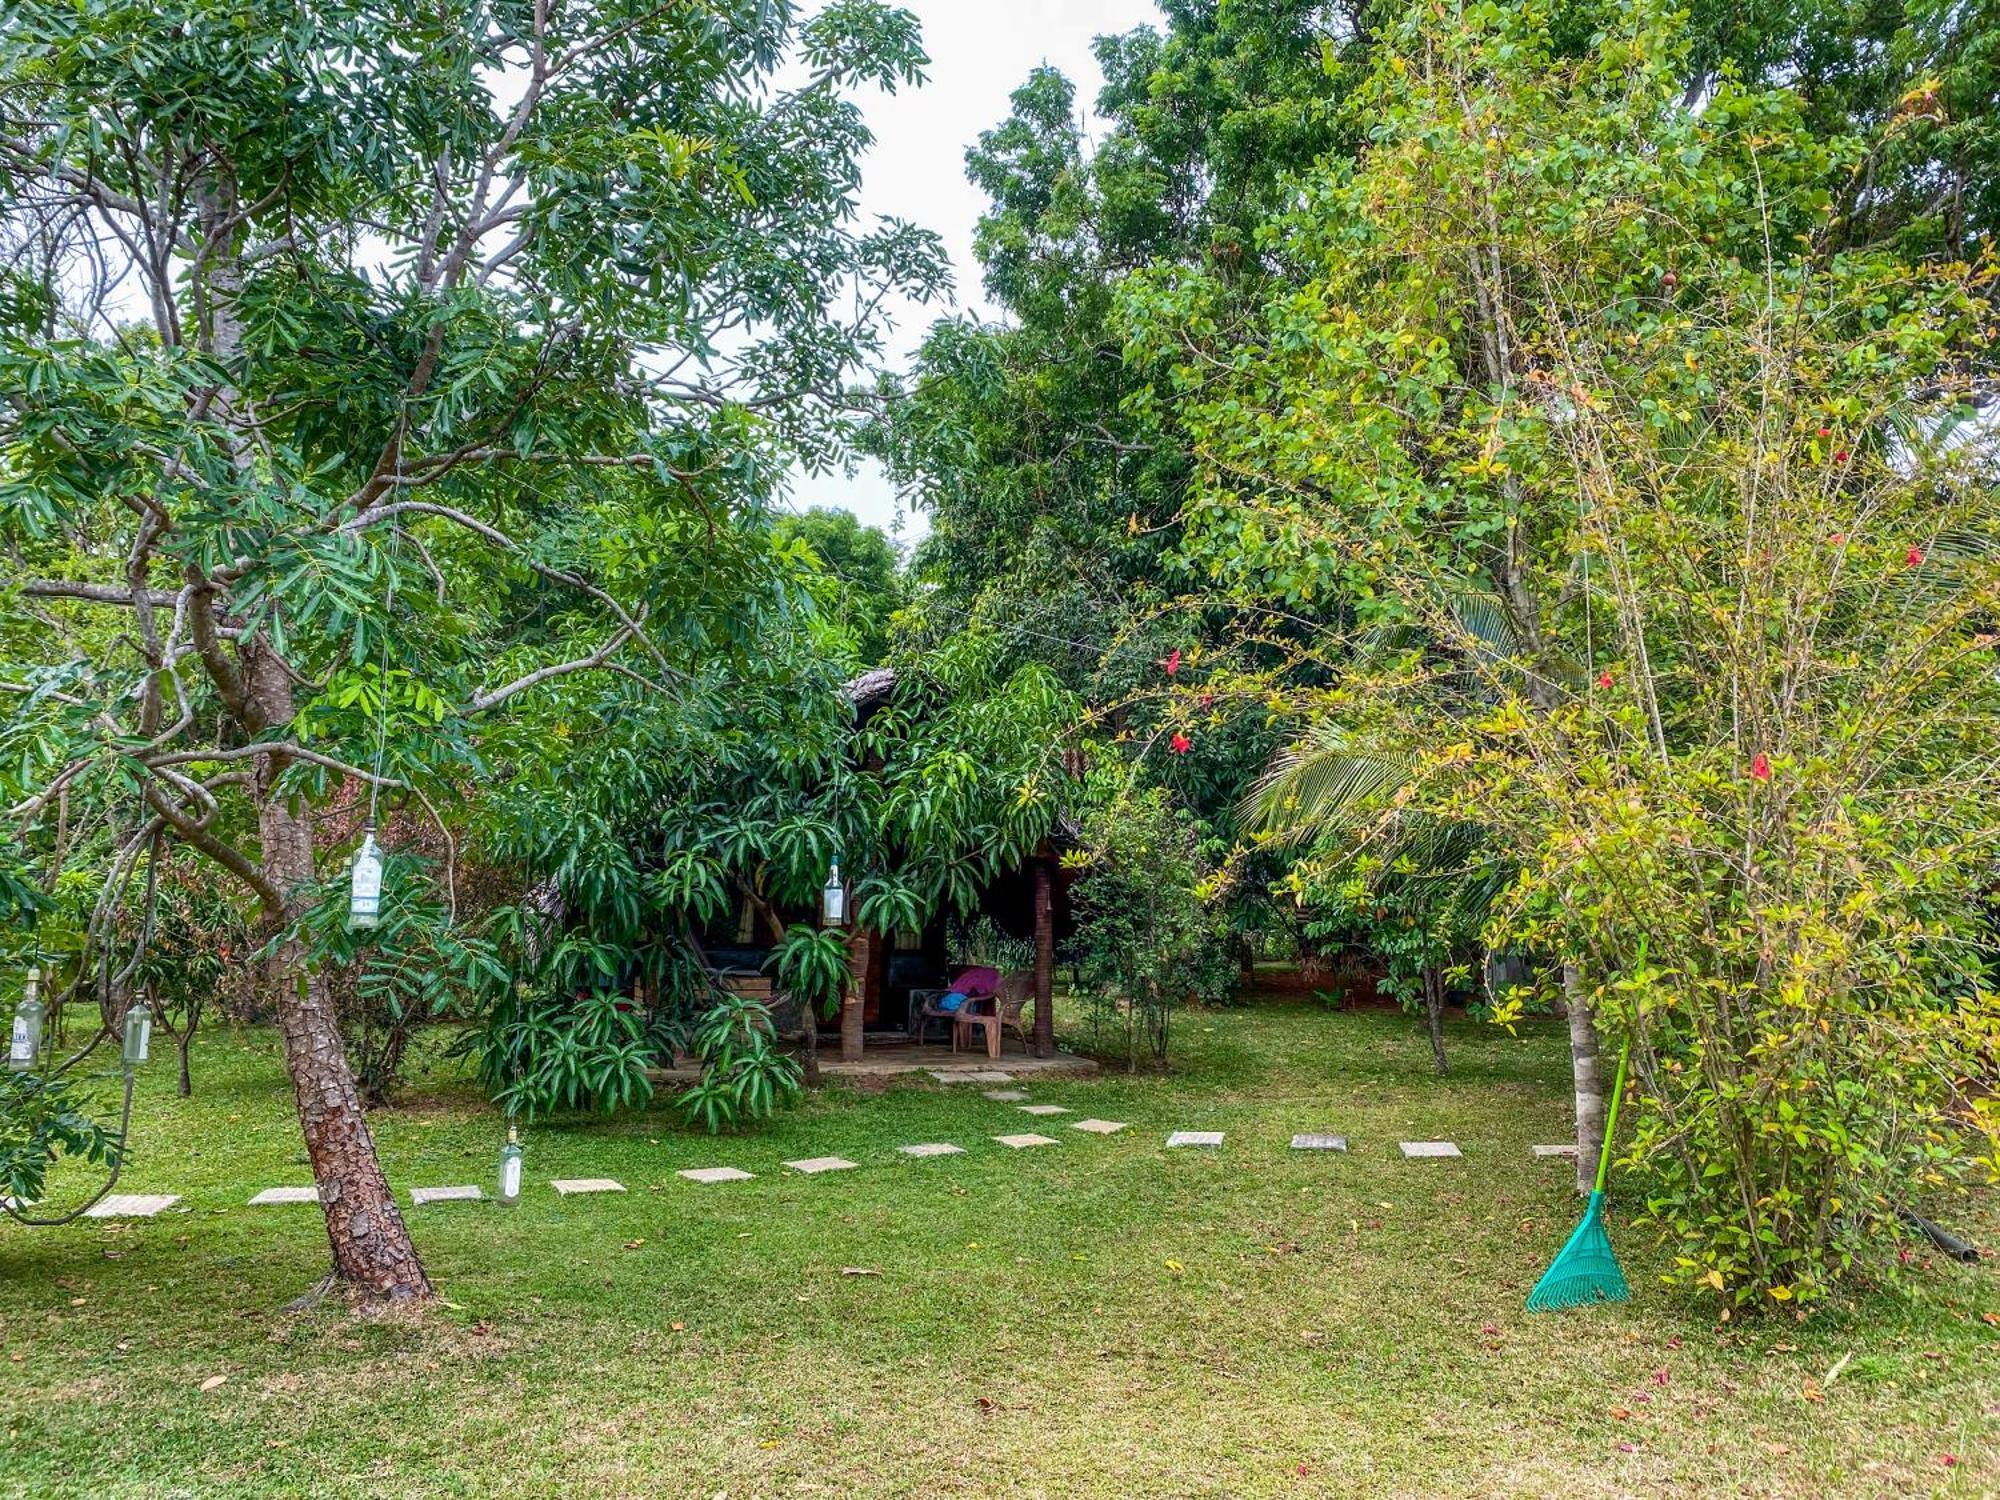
(976, 982)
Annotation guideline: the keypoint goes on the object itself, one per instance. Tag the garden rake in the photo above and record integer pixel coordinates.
(1586, 1271)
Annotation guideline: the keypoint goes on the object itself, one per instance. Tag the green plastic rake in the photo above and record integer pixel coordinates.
(1586, 1271)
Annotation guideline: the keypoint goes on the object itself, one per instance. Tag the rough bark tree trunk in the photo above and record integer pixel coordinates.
(372, 1250)
(182, 1044)
(1584, 1075)
(854, 1002)
(1434, 1015)
(1045, 961)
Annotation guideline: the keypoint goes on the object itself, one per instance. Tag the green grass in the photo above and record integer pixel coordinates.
(1098, 1318)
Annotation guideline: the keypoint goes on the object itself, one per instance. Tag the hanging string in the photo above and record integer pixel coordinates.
(382, 677)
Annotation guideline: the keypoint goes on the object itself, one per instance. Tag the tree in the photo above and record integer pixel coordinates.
(369, 395)
(865, 570)
(1562, 340)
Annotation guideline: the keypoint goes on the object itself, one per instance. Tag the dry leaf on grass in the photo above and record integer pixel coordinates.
(213, 1381)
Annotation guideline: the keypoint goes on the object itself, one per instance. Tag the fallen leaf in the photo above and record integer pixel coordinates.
(985, 1403)
(678, 1327)
(634, 1244)
(1812, 1392)
(1660, 1376)
(481, 1328)
(213, 1381)
(1176, 1267)
(859, 1271)
(1621, 1413)
(1949, 1460)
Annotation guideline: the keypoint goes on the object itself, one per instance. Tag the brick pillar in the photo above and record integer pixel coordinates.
(853, 1004)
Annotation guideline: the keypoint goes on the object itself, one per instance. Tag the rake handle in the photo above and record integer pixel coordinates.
(1611, 1119)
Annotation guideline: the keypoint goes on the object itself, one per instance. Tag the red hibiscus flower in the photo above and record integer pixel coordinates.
(1180, 743)
(1760, 766)
(1914, 557)
(1173, 663)
(1604, 678)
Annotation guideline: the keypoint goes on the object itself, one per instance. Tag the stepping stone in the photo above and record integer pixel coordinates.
(972, 1075)
(420, 1196)
(1043, 1109)
(1319, 1143)
(716, 1174)
(132, 1206)
(568, 1185)
(1006, 1096)
(1020, 1141)
(1099, 1127)
(286, 1195)
(812, 1165)
(933, 1148)
(1540, 1151)
(1195, 1138)
(1429, 1148)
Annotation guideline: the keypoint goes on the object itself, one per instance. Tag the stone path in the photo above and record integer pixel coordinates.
(1545, 1151)
(132, 1206)
(286, 1195)
(1429, 1148)
(1195, 1138)
(420, 1196)
(933, 1148)
(1319, 1143)
(813, 1165)
(1099, 1127)
(972, 1075)
(1043, 1109)
(716, 1174)
(1006, 1096)
(569, 1185)
(1018, 1142)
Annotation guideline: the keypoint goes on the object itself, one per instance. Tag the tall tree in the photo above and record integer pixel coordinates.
(375, 373)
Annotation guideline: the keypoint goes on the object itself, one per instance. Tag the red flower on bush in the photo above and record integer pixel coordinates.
(1760, 766)
(1914, 557)
(1180, 743)
(1604, 678)
(1173, 663)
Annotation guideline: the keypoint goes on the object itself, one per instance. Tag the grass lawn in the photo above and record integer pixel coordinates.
(1102, 1317)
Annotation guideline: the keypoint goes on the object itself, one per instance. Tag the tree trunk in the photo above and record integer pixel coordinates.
(1583, 1072)
(1434, 1014)
(182, 1044)
(854, 1000)
(809, 1043)
(1045, 961)
(372, 1250)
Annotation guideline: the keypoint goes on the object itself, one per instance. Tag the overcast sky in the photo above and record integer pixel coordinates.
(981, 51)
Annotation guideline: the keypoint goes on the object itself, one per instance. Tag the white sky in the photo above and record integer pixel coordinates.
(981, 51)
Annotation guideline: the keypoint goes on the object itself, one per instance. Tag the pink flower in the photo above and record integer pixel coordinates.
(1604, 678)
(1180, 743)
(1173, 663)
(1838, 539)
(1760, 766)
(1914, 557)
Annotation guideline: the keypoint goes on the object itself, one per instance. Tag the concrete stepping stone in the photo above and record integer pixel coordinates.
(1319, 1143)
(1043, 1109)
(717, 1174)
(813, 1165)
(1429, 1148)
(1195, 1138)
(1544, 1151)
(1020, 1142)
(466, 1194)
(568, 1186)
(972, 1075)
(1006, 1096)
(132, 1206)
(1098, 1127)
(933, 1148)
(286, 1195)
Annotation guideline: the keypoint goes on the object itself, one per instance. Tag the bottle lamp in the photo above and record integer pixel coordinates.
(138, 1033)
(364, 901)
(510, 1168)
(833, 899)
(26, 1049)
